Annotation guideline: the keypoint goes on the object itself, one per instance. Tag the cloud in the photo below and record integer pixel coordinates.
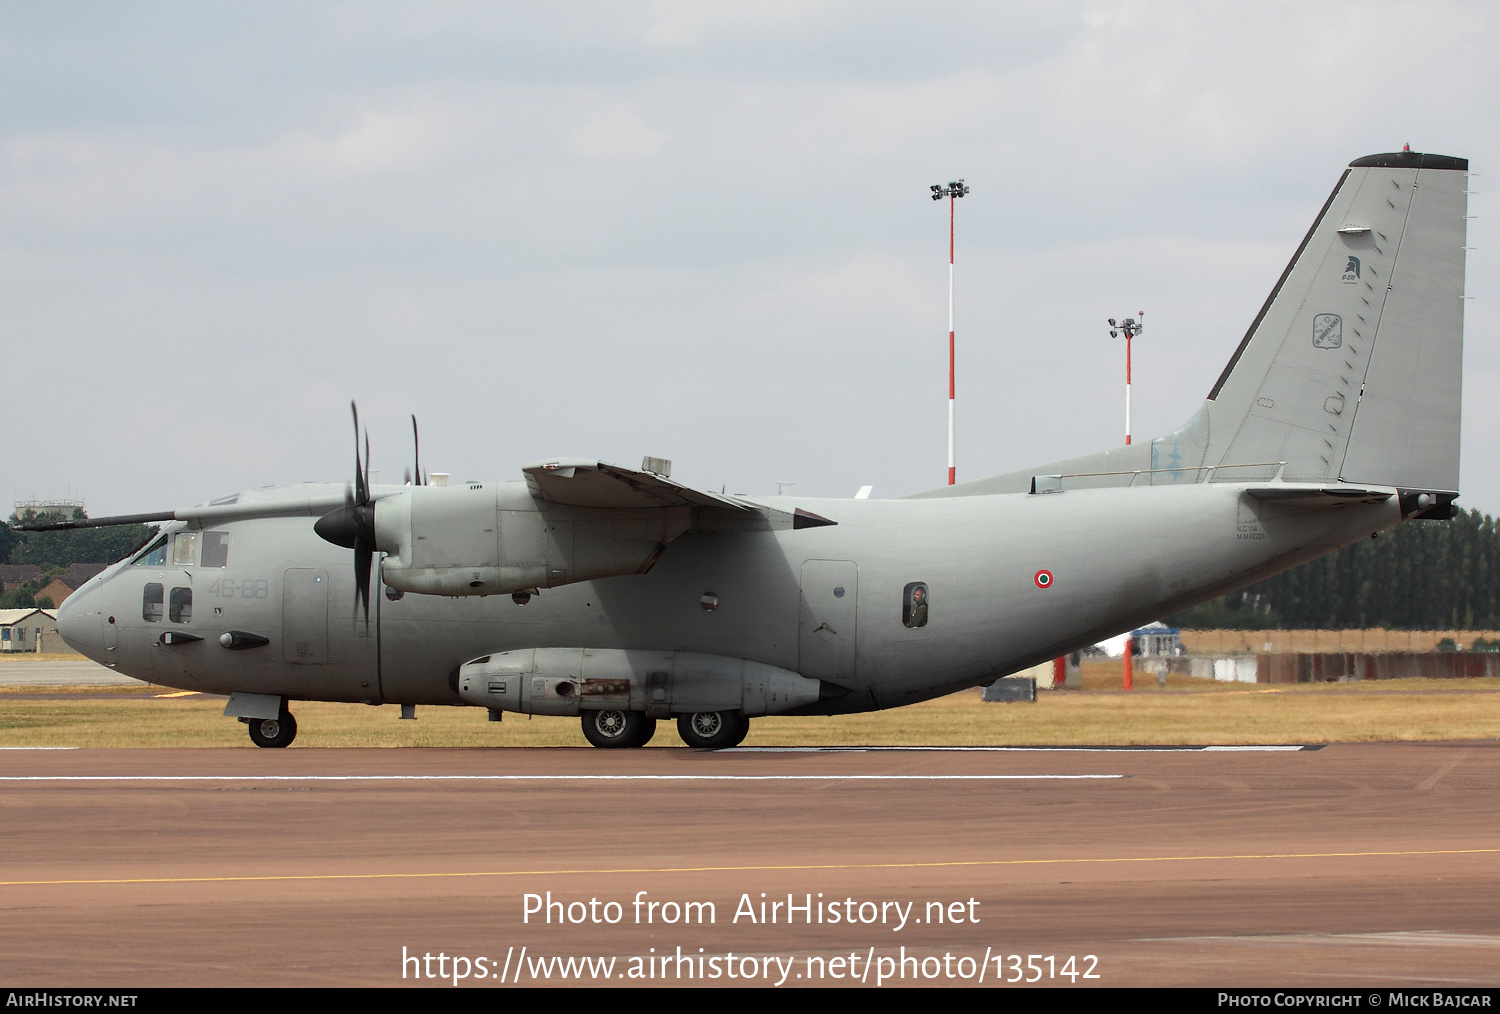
(615, 133)
(401, 139)
(688, 22)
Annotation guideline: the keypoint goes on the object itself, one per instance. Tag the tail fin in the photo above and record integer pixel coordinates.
(1352, 369)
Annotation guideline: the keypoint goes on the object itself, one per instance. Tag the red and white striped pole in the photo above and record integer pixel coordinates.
(1131, 328)
(952, 474)
(952, 191)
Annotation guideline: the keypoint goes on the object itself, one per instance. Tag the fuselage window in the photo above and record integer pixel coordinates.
(181, 606)
(914, 605)
(151, 600)
(215, 550)
(184, 549)
(154, 555)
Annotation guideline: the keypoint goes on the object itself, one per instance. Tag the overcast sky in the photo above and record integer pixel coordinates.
(692, 230)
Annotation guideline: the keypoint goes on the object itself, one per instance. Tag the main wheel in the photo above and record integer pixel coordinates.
(273, 732)
(713, 730)
(611, 729)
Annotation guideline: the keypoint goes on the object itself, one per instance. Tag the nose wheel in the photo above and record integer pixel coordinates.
(713, 730)
(273, 732)
(611, 729)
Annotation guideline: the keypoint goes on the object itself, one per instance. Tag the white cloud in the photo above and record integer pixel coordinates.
(686, 22)
(615, 133)
(402, 139)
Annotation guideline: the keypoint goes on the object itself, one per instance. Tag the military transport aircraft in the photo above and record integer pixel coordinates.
(619, 596)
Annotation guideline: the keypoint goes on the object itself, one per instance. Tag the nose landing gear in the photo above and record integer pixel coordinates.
(273, 732)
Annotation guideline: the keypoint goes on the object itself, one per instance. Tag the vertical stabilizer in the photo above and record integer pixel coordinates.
(1352, 369)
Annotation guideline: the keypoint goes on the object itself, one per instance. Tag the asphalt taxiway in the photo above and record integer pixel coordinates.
(1351, 865)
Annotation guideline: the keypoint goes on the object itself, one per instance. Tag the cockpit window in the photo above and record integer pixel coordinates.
(215, 549)
(151, 600)
(184, 549)
(181, 610)
(154, 555)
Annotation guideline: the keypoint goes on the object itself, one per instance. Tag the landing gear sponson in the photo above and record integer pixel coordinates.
(619, 695)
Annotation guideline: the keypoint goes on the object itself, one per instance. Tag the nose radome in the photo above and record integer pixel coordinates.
(78, 622)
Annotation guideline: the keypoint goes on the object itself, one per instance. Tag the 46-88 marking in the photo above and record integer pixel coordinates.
(229, 588)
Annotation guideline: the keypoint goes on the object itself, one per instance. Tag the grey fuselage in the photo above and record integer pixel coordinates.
(826, 602)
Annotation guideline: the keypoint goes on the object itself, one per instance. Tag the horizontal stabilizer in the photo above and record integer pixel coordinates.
(1315, 496)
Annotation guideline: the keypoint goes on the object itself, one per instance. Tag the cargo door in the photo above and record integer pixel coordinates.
(304, 616)
(830, 611)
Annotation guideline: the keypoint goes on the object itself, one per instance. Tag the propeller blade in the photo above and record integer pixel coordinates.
(364, 551)
(361, 490)
(416, 445)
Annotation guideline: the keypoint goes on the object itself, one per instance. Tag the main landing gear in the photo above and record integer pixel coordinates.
(273, 732)
(713, 730)
(611, 728)
(709, 730)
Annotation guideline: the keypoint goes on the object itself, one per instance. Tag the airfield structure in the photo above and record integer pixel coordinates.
(953, 191)
(1130, 327)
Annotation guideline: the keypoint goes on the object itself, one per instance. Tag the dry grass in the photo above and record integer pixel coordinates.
(1186, 711)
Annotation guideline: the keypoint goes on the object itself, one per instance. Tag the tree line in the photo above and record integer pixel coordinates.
(1422, 575)
(53, 552)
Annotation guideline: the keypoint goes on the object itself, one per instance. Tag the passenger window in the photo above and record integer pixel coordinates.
(154, 555)
(215, 550)
(914, 605)
(184, 549)
(181, 607)
(151, 600)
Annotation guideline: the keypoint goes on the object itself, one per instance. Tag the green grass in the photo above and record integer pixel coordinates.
(1185, 712)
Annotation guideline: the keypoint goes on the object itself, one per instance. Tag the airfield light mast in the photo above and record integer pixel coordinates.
(953, 191)
(1131, 327)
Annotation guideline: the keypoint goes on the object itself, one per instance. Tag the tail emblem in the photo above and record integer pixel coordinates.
(1351, 271)
(1328, 331)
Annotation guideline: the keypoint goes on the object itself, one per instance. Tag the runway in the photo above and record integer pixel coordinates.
(1348, 866)
(79, 672)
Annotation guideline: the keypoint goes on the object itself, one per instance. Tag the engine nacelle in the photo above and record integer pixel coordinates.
(566, 681)
(496, 538)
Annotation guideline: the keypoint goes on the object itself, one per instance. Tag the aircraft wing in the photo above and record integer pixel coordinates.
(583, 482)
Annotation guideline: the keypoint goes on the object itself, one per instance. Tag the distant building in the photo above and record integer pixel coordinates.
(1158, 640)
(13, 575)
(29, 630)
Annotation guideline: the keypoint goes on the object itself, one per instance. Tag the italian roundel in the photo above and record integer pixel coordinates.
(1043, 579)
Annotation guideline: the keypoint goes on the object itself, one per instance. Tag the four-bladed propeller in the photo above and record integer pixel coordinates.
(352, 526)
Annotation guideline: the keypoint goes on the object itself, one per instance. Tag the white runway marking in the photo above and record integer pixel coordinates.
(1408, 938)
(38, 748)
(1278, 748)
(553, 778)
